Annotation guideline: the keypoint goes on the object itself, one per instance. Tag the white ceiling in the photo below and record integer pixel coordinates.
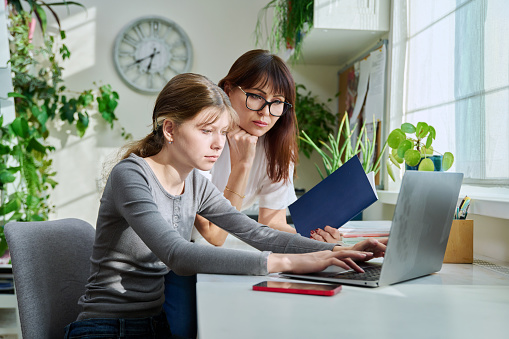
(337, 47)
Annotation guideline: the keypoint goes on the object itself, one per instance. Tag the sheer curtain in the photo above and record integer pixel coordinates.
(450, 68)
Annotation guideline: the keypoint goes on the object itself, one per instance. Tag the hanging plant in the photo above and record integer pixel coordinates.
(292, 20)
(40, 96)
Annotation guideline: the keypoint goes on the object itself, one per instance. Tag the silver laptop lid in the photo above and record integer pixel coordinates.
(421, 225)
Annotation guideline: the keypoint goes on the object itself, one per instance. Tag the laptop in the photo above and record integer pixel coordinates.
(418, 236)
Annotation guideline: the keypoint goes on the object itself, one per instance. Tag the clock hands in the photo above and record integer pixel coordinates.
(151, 56)
(151, 59)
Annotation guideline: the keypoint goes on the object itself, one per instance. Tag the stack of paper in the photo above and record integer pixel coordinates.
(356, 231)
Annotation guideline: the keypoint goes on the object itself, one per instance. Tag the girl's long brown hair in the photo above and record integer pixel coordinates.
(183, 97)
(261, 68)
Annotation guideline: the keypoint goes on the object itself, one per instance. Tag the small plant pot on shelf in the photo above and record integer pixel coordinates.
(437, 161)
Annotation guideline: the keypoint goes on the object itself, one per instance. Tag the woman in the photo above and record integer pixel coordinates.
(257, 164)
(147, 212)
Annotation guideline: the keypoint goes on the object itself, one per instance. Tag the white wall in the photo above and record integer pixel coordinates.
(220, 31)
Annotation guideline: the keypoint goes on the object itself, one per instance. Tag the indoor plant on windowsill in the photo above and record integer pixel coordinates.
(339, 150)
(412, 145)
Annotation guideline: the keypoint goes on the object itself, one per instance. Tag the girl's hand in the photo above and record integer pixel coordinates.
(328, 234)
(316, 261)
(242, 147)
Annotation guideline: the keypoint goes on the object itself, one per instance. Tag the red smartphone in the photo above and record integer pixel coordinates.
(299, 288)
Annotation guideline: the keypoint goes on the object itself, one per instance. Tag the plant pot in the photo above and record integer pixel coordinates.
(437, 161)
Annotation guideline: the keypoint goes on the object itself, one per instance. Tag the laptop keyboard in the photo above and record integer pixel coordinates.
(371, 273)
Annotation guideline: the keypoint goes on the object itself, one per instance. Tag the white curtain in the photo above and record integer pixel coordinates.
(455, 76)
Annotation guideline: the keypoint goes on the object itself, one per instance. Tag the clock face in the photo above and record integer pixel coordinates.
(149, 51)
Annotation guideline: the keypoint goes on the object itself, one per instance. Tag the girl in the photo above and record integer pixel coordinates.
(147, 212)
(257, 164)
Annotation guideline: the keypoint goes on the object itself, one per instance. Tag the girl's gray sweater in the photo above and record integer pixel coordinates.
(142, 231)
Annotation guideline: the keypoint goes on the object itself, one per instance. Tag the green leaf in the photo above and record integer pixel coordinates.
(40, 114)
(429, 140)
(426, 165)
(4, 149)
(6, 177)
(403, 147)
(41, 16)
(11, 206)
(412, 157)
(408, 127)
(447, 161)
(398, 159)
(16, 95)
(390, 172)
(421, 130)
(395, 138)
(394, 160)
(432, 132)
(82, 124)
(33, 144)
(20, 127)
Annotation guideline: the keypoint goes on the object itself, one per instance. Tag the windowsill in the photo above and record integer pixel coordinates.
(487, 201)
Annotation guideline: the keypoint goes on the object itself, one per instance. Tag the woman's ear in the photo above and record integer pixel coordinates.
(227, 88)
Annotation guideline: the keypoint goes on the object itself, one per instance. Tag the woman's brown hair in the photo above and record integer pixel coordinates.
(183, 97)
(261, 68)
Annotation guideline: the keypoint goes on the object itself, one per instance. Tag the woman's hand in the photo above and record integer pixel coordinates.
(328, 234)
(316, 261)
(242, 147)
(375, 246)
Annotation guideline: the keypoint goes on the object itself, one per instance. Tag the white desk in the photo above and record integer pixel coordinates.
(461, 301)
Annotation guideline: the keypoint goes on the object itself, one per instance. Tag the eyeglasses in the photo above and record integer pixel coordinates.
(256, 102)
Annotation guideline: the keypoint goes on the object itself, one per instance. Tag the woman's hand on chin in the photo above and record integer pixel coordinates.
(242, 147)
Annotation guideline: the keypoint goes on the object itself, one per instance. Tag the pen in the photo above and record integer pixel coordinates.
(462, 210)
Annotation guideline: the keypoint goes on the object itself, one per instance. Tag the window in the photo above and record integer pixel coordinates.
(450, 68)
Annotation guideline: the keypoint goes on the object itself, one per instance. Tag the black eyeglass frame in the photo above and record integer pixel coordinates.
(285, 109)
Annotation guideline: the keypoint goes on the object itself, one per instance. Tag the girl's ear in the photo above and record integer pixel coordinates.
(168, 129)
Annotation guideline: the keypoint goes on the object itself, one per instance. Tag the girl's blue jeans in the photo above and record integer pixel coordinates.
(129, 328)
(180, 304)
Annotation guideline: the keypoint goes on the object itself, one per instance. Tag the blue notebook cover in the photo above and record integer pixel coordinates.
(335, 200)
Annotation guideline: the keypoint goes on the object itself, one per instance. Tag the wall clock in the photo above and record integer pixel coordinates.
(149, 51)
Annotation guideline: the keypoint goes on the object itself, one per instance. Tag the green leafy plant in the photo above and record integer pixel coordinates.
(40, 96)
(37, 7)
(314, 117)
(342, 147)
(412, 145)
(293, 19)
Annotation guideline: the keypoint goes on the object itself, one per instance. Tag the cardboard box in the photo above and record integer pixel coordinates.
(460, 247)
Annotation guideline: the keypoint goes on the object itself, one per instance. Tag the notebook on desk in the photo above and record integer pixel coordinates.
(418, 237)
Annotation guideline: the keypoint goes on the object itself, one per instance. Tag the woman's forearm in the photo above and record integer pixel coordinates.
(275, 219)
(234, 192)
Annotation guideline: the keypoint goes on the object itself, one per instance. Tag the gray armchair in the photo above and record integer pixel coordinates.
(51, 265)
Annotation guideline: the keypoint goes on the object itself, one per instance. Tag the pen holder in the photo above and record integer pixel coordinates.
(460, 247)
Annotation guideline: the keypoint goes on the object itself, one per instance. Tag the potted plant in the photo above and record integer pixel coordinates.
(314, 117)
(342, 147)
(40, 96)
(412, 145)
(293, 19)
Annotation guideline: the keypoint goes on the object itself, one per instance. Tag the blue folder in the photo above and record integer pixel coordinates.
(335, 200)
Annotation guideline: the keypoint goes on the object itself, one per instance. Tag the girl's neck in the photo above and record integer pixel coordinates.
(169, 175)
